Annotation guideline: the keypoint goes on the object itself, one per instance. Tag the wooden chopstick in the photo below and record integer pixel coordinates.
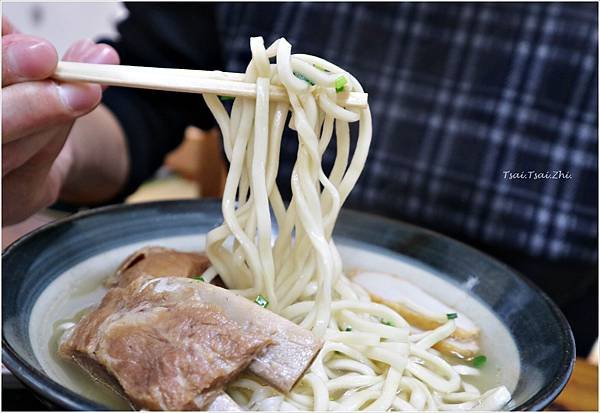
(179, 80)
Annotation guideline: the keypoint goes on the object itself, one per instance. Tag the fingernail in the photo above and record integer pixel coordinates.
(97, 54)
(29, 57)
(77, 49)
(82, 45)
(77, 97)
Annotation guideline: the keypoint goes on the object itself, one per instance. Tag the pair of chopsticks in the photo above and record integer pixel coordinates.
(179, 80)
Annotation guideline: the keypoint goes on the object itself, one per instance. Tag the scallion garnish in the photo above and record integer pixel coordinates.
(262, 301)
(226, 97)
(388, 323)
(302, 77)
(320, 67)
(349, 328)
(451, 316)
(479, 361)
(340, 83)
(199, 278)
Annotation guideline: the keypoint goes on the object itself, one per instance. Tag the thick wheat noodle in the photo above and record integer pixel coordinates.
(364, 363)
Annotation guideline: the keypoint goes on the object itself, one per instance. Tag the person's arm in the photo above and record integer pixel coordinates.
(94, 162)
(145, 124)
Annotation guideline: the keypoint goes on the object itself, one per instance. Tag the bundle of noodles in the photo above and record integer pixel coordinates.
(371, 358)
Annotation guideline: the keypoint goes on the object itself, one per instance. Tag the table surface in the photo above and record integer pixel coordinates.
(581, 392)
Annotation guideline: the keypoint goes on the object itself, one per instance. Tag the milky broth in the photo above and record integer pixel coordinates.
(81, 287)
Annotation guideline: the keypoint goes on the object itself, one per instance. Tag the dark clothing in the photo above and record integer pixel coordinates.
(460, 94)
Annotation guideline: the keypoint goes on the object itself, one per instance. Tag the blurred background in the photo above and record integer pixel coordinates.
(54, 20)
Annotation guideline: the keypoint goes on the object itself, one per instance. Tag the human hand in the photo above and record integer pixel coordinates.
(37, 115)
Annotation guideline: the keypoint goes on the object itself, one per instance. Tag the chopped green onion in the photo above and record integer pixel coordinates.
(199, 278)
(479, 361)
(451, 316)
(340, 83)
(349, 328)
(262, 301)
(226, 97)
(320, 67)
(302, 77)
(337, 352)
(388, 323)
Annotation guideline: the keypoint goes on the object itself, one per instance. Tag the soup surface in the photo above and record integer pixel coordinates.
(72, 293)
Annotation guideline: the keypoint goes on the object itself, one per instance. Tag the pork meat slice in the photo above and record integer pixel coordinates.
(292, 347)
(159, 262)
(280, 364)
(166, 349)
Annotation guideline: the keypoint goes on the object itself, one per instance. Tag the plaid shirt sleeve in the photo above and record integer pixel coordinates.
(462, 95)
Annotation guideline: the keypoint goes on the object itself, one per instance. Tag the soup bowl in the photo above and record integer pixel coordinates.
(525, 336)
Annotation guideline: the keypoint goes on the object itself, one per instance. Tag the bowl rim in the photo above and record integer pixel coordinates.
(61, 395)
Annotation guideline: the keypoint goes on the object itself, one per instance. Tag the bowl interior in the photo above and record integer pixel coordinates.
(524, 335)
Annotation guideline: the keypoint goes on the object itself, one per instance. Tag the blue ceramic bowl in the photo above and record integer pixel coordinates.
(542, 336)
